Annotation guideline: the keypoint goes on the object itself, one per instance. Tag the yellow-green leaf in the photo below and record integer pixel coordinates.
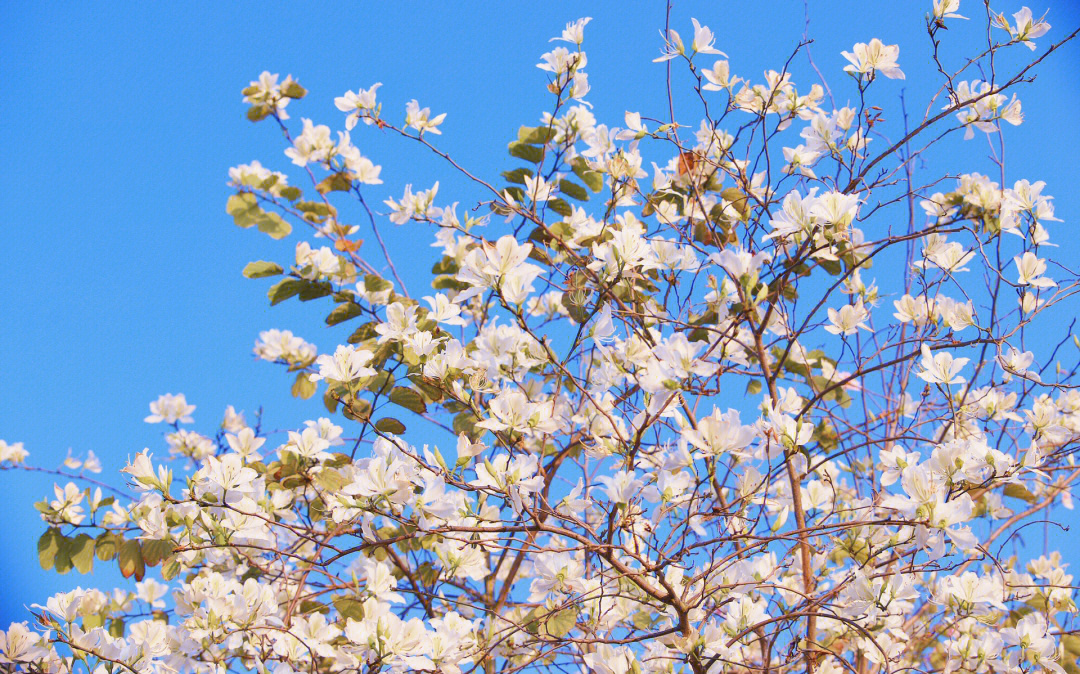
(408, 398)
(131, 561)
(303, 387)
(536, 135)
(336, 182)
(258, 112)
(390, 425)
(244, 208)
(261, 269)
(274, 225)
(561, 623)
(284, 289)
(349, 608)
(170, 568)
(292, 89)
(1021, 492)
(106, 547)
(48, 546)
(593, 179)
(62, 562)
(81, 552)
(527, 152)
(343, 312)
(330, 480)
(156, 551)
(573, 190)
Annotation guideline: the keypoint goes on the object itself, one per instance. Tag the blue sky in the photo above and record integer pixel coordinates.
(120, 273)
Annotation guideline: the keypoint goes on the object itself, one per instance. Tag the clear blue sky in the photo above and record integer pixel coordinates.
(120, 275)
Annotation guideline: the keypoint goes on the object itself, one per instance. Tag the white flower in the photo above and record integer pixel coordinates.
(946, 9)
(873, 58)
(1030, 270)
(537, 189)
(574, 33)
(941, 368)
(704, 40)
(359, 105)
(347, 364)
(420, 119)
(171, 409)
(13, 452)
(848, 319)
(1025, 28)
(622, 487)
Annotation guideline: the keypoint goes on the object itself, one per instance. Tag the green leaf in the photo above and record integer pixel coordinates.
(753, 387)
(447, 265)
(430, 392)
(336, 182)
(293, 89)
(573, 190)
(531, 622)
(244, 208)
(466, 423)
(1071, 642)
(258, 112)
(538, 254)
(329, 402)
(642, 620)
(527, 152)
(561, 207)
(283, 290)
(381, 383)
(390, 425)
(131, 561)
(62, 562)
(350, 608)
(313, 290)
(330, 480)
(826, 436)
(291, 193)
(274, 225)
(154, 551)
(48, 546)
(81, 551)
(357, 410)
(578, 311)
(364, 332)
(536, 135)
(261, 269)
(344, 312)
(170, 568)
(448, 283)
(1021, 492)
(106, 547)
(374, 283)
(315, 211)
(408, 398)
(517, 176)
(312, 606)
(303, 387)
(833, 267)
(594, 180)
(561, 623)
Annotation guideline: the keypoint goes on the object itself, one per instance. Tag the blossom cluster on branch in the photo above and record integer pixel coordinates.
(642, 422)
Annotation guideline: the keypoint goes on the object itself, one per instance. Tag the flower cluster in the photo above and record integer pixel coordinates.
(656, 422)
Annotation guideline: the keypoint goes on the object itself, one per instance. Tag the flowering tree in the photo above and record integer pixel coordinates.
(691, 434)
